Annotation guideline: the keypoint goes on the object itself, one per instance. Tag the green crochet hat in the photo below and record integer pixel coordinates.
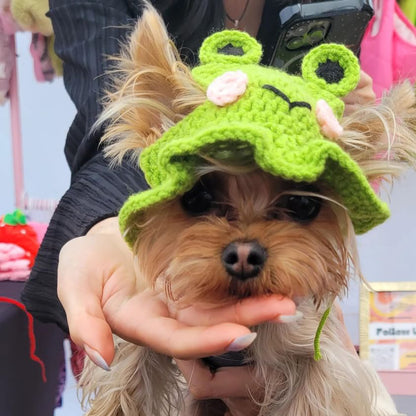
(285, 123)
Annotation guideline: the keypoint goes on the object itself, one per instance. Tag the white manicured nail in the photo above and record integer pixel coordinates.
(242, 342)
(287, 319)
(96, 358)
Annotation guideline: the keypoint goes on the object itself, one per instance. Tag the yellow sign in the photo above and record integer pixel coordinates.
(388, 325)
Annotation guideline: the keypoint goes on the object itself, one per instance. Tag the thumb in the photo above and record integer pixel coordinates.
(80, 291)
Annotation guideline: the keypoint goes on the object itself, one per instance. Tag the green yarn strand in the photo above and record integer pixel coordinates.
(317, 349)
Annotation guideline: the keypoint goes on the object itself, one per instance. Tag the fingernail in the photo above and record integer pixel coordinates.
(242, 342)
(287, 319)
(96, 358)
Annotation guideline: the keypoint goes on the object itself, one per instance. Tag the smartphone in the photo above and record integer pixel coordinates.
(288, 32)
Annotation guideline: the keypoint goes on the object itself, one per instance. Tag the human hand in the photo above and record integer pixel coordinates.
(362, 94)
(98, 288)
(237, 387)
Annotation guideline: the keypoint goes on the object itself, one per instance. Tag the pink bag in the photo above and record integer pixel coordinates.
(388, 49)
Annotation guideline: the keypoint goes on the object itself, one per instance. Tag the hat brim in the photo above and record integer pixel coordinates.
(171, 171)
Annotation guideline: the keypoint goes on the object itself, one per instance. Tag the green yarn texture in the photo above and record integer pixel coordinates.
(283, 139)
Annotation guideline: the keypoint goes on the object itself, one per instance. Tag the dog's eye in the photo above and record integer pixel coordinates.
(197, 201)
(302, 208)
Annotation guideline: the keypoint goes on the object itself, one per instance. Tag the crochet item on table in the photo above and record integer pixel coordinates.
(19, 245)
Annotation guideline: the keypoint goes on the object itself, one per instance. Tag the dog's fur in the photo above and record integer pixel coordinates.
(310, 262)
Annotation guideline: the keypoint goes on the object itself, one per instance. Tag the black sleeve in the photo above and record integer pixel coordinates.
(86, 32)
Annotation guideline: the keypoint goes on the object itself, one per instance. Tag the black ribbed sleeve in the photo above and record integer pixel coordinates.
(86, 34)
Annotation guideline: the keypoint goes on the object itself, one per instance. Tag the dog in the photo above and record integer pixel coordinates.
(258, 186)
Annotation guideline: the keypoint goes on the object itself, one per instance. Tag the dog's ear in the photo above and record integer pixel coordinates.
(150, 90)
(381, 138)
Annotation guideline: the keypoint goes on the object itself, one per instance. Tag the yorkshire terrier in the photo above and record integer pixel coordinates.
(258, 185)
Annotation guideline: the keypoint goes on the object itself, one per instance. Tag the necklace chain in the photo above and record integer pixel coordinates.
(238, 20)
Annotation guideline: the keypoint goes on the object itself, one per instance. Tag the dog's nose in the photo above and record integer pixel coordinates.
(244, 259)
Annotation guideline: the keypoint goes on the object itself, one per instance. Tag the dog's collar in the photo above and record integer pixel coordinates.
(228, 359)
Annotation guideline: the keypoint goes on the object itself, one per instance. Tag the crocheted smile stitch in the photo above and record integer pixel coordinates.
(285, 123)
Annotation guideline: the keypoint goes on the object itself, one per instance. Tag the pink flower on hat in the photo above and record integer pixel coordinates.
(227, 88)
(327, 121)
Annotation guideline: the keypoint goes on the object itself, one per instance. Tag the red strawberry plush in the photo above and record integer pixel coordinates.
(18, 246)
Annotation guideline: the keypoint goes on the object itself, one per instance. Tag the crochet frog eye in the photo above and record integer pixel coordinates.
(282, 95)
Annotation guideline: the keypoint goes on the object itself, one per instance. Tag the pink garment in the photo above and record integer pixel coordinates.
(388, 49)
(6, 63)
(42, 63)
(9, 24)
(13, 265)
(8, 27)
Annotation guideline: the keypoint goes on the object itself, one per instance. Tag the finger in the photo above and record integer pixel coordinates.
(80, 294)
(365, 80)
(226, 382)
(247, 312)
(350, 108)
(152, 326)
(96, 338)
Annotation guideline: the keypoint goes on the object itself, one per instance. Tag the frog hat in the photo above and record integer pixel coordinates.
(287, 124)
